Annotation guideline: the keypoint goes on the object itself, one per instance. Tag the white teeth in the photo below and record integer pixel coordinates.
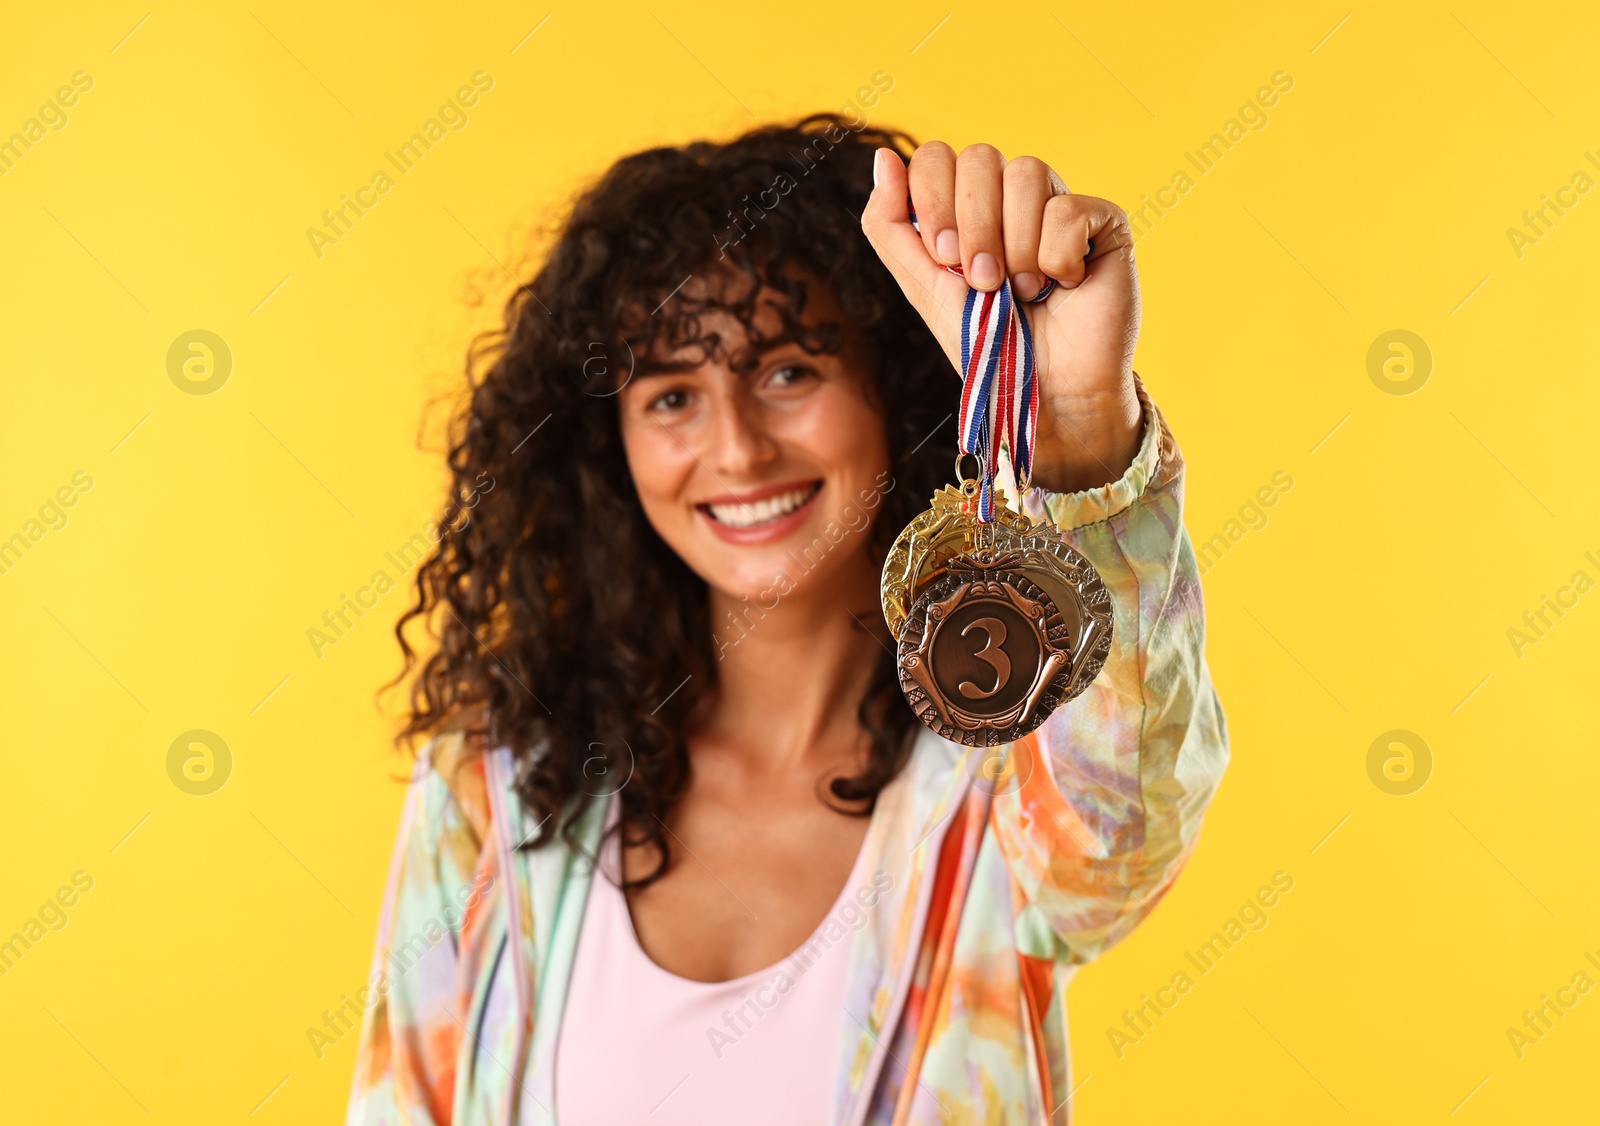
(762, 511)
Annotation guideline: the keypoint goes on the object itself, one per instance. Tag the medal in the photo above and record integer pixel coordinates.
(998, 621)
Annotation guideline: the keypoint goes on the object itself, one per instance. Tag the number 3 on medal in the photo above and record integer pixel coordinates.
(994, 631)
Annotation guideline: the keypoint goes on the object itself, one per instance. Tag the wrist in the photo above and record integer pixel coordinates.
(1087, 441)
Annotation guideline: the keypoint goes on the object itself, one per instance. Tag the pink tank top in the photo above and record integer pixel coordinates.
(641, 1045)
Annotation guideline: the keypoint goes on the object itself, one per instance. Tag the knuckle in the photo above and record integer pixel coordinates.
(1064, 208)
(930, 151)
(982, 156)
(1027, 170)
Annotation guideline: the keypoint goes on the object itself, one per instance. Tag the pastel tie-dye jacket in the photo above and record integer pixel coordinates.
(996, 889)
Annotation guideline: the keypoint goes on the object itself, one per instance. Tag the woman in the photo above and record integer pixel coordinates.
(662, 650)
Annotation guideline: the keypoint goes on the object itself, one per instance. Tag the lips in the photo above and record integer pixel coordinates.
(754, 513)
(762, 515)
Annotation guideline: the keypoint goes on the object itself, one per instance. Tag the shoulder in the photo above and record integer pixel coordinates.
(451, 772)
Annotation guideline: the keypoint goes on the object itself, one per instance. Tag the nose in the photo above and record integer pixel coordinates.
(738, 443)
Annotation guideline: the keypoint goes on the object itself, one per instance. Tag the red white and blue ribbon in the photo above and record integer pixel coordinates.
(999, 385)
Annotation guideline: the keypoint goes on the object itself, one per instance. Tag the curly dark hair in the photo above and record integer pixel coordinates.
(563, 621)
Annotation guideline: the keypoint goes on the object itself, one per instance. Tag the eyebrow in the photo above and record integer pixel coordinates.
(684, 367)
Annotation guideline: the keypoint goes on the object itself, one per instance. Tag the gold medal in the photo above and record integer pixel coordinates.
(998, 623)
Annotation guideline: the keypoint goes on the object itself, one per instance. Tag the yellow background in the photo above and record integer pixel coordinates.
(1378, 596)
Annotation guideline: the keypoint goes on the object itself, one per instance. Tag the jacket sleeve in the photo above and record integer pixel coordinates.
(415, 999)
(1103, 803)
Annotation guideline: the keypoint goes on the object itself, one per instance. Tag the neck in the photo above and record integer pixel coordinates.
(791, 677)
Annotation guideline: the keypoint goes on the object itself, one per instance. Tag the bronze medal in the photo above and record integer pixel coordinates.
(997, 623)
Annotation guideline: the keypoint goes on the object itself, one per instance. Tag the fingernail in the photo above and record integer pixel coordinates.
(985, 271)
(877, 169)
(1027, 284)
(948, 247)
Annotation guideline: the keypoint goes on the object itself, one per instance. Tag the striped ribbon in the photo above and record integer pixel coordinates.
(999, 385)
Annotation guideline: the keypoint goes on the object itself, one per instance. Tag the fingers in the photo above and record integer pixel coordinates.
(887, 224)
(1028, 187)
(1071, 224)
(992, 217)
(933, 191)
(979, 195)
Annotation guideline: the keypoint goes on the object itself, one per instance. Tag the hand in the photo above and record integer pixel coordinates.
(994, 218)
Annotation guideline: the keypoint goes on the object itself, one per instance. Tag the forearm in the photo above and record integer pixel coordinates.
(1115, 783)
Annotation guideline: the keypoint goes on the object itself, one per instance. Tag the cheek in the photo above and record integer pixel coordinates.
(660, 467)
(846, 434)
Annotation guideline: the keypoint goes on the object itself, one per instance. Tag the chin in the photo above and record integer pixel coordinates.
(809, 557)
(775, 571)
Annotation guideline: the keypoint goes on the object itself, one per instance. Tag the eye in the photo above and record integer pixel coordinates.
(669, 401)
(791, 375)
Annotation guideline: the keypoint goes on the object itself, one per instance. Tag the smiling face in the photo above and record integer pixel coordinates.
(766, 480)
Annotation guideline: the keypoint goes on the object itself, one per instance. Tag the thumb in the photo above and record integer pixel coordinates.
(887, 224)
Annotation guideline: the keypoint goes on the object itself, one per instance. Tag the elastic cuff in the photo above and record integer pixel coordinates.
(1091, 506)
